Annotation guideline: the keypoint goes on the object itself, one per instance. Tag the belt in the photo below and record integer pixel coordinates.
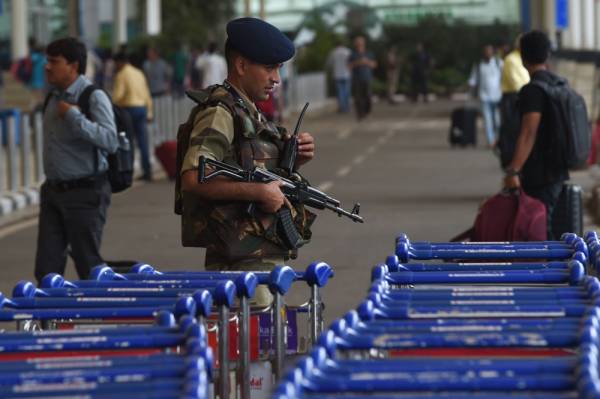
(84, 182)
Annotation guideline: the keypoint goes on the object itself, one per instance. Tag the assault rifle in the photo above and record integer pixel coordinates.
(297, 191)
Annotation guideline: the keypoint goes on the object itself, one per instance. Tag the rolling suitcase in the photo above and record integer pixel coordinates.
(568, 213)
(463, 128)
(167, 155)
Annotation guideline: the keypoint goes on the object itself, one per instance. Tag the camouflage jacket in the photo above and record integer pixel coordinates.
(228, 127)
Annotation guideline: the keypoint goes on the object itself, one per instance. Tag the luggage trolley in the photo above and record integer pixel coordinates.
(459, 340)
(166, 360)
(374, 331)
(548, 250)
(94, 293)
(327, 372)
(279, 282)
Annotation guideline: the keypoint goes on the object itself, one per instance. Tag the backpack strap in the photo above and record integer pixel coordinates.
(84, 105)
(84, 100)
(46, 101)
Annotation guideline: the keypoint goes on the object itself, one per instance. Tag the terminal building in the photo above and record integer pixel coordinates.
(572, 24)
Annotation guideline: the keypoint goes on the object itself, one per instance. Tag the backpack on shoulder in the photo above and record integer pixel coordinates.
(573, 131)
(120, 163)
(508, 216)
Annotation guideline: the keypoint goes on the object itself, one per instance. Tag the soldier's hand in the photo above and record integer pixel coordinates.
(306, 148)
(271, 198)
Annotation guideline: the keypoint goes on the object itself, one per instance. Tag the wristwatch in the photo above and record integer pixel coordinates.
(510, 172)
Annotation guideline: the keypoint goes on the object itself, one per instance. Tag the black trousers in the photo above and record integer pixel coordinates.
(71, 222)
(510, 124)
(549, 195)
(361, 91)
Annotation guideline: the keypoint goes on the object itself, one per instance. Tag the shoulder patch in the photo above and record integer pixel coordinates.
(215, 118)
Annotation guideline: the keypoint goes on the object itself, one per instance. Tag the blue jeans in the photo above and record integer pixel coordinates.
(490, 118)
(139, 119)
(342, 87)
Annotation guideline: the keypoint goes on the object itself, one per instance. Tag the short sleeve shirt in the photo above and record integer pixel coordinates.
(541, 167)
(212, 135)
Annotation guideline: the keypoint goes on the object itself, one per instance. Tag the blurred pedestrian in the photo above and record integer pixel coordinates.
(213, 66)
(94, 64)
(420, 65)
(392, 72)
(181, 60)
(131, 93)
(485, 81)
(195, 73)
(337, 62)
(158, 72)
(514, 77)
(37, 80)
(76, 195)
(108, 71)
(362, 62)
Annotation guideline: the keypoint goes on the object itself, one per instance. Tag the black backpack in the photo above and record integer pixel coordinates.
(120, 163)
(574, 133)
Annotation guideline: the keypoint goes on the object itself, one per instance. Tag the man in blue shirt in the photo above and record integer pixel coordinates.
(362, 62)
(76, 194)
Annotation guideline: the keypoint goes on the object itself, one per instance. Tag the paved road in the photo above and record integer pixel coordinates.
(397, 164)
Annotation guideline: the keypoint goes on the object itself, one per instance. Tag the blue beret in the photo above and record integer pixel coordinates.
(259, 41)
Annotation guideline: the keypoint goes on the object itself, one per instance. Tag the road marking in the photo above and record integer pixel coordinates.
(358, 160)
(344, 171)
(382, 140)
(371, 149)
(17, 227)
(326, 185)
(344, 133)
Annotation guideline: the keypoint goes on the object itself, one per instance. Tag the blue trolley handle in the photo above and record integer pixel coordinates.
(566, 239)
(263, 276)
(405, 253)
(440, 295)
(245, 286)
(281, 279)
(224, 298)
(394, 265)
(182, 306)
(351, 340)
(573, 277)
(54, 280)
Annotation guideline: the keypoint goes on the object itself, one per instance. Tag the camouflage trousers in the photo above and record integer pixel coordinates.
(262, 297)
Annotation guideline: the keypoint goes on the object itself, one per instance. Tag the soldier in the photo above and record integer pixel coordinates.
(226, 126)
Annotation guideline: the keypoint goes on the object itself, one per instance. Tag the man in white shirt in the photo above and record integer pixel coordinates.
(338, 63)
(485, 79)
(212, 66)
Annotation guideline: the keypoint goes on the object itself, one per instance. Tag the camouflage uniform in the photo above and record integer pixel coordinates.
(228, 127)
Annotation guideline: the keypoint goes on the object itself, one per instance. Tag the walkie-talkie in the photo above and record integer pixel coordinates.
(290, 150)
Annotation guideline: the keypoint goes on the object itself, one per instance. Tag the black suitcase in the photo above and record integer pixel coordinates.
(568, 213)
(463, 128)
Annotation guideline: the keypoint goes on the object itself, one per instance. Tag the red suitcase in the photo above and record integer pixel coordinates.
(167, 155)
